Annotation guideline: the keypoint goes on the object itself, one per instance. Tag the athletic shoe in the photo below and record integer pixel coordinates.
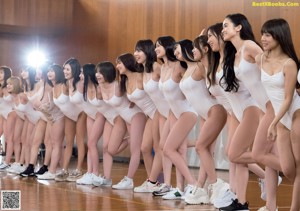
(42, 170)
(15, 168)
(29, 171)
(164, 189)
(4, 165)
(101, 181)
(265, 209)
(197, 196)
(187, 190)
(74, 175)
(173, 194)
(46, 176)
(86, 179)
(147, 187)
(235, 205)
(224, 199)
(62, 176)
(125, 184)
(215, 189)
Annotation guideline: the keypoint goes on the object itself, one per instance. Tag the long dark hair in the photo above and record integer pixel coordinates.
(213, 65)
(59, 74)
(246, 33)
(200, 42)
(31, 77)
(89, 73)
(279, 29)
(147, 47)
(130, 64)
(76, 69)
(108, 70)
(7, 74)
(186, 49)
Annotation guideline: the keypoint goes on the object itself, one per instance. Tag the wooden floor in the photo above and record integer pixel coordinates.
(39, 195)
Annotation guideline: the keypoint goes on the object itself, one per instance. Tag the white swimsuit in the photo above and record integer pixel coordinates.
(274, 84)
(175, 97)
(197, 94)
(77, 99)
(142, 100)
(240, 100)
(106, 110)
(69, 110)
(152, 89)
(33, 99)
(249, 74)
(7, 106)
(32, 115)
(121, 104)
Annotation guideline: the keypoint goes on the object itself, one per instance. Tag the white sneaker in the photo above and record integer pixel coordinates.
(173, 194)
(4, 165)
(197, 196)
(265, 209)
(187, 190)
(15, 168)
(216, 188)
(101, 181)
(74, 175)
(86, 179)
(163, 190)
(147, 187)
(47, 176)
(224, 199)
(125, 184)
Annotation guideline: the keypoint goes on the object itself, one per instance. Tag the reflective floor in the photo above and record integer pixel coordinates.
(39, 195)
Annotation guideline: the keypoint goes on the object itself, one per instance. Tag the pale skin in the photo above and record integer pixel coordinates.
(215, 121)
(263, 151)
(114, 141)
(274, 61)
(72, 128)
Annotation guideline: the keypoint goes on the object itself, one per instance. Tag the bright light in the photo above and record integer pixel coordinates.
(36, 58)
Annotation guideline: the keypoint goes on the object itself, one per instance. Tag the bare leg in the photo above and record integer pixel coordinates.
(80, 136)
(8, 134)
(147, 146)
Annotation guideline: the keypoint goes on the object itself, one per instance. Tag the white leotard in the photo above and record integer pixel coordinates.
(106, 110)
(249, 74)
(152, 89)
(175, 97)
(274, 85)
(142, 100)
(197, 94)
(121, 104)
(32, 115)
(7, 106)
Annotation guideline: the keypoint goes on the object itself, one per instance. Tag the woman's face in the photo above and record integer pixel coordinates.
(51, 75)
(99, 76)
(9, 86)
(24, 74)
(213, 41)
(229, 30)
(68, 72)
(159, 50)
(121, 67)
(178, 52)
(268, 42)
(196, 54)
(140, 56)
(81, 75)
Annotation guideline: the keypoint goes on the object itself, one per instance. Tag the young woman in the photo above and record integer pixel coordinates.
(55, 128)
(134, 117)
(146, 58)
(114, 140)
(279, 66)
(238, 31)
(132, 83)
(95, 126)
(68, 99)
(15, 90)
(41, 125)
(182, 118)
(234, 103)
(193, 83)
(8, 114)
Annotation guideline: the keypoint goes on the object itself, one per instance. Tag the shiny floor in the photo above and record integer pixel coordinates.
(42, 195)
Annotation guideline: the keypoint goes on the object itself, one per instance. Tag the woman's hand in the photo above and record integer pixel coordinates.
(272, 132)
